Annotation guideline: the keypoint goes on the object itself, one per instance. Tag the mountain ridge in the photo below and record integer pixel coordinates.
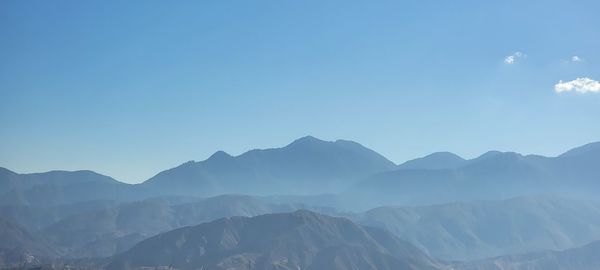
(307, 165)
(297, 240)
(493, 175)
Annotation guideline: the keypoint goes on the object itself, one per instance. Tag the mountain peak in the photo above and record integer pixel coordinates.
(490, 153)
(437, 160)
(220, 155)
(495, 153)
(444, 154)
(304, 166)
(306, 140)
(497, 156)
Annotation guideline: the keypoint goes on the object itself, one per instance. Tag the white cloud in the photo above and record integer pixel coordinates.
(513, 58)
(576, 58)
(580, 85)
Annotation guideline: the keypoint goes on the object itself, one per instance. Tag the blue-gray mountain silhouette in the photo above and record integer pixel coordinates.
(493, 175)
(310, 166)
(59, 187)
(438, 160)
(306, 166)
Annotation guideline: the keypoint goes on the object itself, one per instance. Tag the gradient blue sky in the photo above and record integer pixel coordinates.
(129, 89)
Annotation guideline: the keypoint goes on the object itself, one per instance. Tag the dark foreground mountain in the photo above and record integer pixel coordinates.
(482, 229)
(493, 175)
(104, 232)
(299, 240)
(583, 258)
(456, 231)
(19, 247)
(306, 166)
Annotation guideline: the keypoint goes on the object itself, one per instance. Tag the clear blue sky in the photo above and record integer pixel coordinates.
(129, 89)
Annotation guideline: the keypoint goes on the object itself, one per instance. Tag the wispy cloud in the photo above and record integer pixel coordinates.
(513, 58)
(576, 58)
(580, 85)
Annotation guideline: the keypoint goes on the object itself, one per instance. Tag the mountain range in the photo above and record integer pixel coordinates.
(306, 166)
(493, 175)
(379, 214)
(356, 175)
(454, 231)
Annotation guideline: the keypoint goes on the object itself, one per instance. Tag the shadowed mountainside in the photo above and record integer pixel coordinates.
(18, 246)
(480, 229)
(581, 258)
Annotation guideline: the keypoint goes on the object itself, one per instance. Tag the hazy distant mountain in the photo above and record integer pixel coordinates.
(582, 258)
(299, 240)
(59, 187)
(309, 166)
(36, 217)
(17, 246)
(474, 230)
(579, 166)
(8, 179)
(493, 175)
(306, 166)
(108, 231)
(435, 161)
(588, 150)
